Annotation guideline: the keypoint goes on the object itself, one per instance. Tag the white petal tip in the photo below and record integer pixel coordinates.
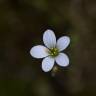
(48, 30)
(49, 38)
(47, 64)
(62, 60)
(63, 43)
(39, 51)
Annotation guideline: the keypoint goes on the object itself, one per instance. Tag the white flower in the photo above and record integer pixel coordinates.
(52, 51)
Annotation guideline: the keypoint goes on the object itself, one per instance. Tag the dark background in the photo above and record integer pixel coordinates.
(22, 23)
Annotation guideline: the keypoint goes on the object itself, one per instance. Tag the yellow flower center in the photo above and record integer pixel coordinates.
(54, 52)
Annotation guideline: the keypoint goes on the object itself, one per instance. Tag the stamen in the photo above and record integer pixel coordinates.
(53, 52)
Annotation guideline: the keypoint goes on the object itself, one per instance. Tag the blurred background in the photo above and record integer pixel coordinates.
(22, 23)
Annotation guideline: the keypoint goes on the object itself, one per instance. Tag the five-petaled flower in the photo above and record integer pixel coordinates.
(52, 52)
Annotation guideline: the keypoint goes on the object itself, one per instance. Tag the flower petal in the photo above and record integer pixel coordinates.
(47, 64)
(62, 60)
(39, 51)
(49, 38)
(63, 42)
